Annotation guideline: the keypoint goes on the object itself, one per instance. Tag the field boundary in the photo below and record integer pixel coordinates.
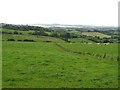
(99, 56)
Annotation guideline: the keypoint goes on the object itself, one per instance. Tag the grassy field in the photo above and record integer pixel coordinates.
(58, 64)
(19, 31)
(5, 37)
(93, 49)
(80, 40)
(96, 34)
(77, 33)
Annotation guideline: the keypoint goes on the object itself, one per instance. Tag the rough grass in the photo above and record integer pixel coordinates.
(44, 65)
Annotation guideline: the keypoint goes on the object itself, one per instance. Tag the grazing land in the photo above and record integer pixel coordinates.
(96, 34)
(44, 61)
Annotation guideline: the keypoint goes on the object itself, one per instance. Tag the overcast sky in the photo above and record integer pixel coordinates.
(85, 12)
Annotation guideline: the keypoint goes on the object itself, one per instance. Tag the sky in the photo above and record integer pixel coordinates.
(83, 12)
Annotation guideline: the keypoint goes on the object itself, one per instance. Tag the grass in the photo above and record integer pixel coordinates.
(96, 34)
(5, 37)
(77, 33)
(48, 66)
(57, 64)
(80, 40)
(93, 48)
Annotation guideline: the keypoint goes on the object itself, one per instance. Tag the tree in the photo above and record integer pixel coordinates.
(54, 34)
(40, 33)
(23, 27)
(105, 41)
(65, 35)
(11, 40)
(15, 32)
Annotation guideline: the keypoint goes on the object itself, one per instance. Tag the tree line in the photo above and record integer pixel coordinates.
(23, 27)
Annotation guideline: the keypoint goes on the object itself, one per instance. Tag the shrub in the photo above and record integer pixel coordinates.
(47, 41)
(11, 40)
(20, 33)
(9, 32)
(19, 40)
(106, 41)
(27, 40)
(54, 35)
(15, 32)
(65, 39)
(30, 33)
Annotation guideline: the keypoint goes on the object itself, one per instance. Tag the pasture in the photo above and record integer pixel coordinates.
(80, 40)
(19, 31)
(58, 64)
(96, 34)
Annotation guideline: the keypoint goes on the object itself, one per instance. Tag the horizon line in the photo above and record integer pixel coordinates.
(62, 24)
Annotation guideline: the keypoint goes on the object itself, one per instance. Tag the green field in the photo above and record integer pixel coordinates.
(96, 34)
(19, 31)
(5, 37)
(80, 40)
(58, 64)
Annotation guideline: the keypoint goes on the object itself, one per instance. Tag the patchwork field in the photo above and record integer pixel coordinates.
(58, 64)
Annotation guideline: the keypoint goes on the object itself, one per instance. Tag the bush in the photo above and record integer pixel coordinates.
(15, 32)
(20, 33)
(11, 40)
(30, 33)
(47, 41)
(27, 40)
(106, 41)
(19, 40)
(65, 39)
(54, 35)
(9, 32)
